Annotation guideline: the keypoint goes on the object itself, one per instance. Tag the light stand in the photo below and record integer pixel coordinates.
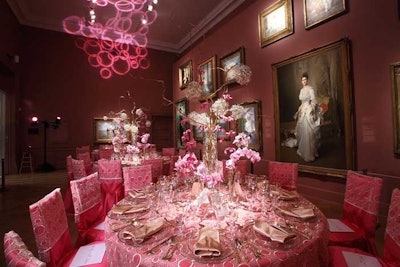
(45, 166)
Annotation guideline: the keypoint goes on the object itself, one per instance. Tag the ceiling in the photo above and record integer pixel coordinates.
(178, 23)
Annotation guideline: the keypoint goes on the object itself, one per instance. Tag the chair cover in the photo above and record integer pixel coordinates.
(106, 153)
(168, 151)
(69, 207)
(360, 212)
(78, 168)
(243, 166)
(156, 168)
(111, 182)
(87, 160)
(283, 173)
(181, 152)
(136, 177)
(89, 211)
(82, 149)
(50, 228)
(391, 248)
(17, 253)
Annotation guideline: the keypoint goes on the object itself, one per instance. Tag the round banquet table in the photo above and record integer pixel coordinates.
(185, 215)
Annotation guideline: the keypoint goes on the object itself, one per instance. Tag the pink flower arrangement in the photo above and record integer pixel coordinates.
(241, 141)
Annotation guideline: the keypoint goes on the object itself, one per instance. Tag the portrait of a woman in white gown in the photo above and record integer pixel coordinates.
(309, 119)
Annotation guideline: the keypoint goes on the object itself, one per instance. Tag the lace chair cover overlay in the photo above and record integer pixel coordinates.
(50, 227)
(106, 153)
(87, 160)
(78, 168)
(69, 207)
(391, 250)
(82, 149)
(17, 253)
(156, 167)
(137, 177)
(111, 182)
(283, 173)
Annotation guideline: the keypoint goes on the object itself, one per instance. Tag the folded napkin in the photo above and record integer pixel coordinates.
(139, 234)
(275, 233)
(288, 195)
(208, 243)
(303, 213)
(118, 225)
(137, 194)
(129, 208)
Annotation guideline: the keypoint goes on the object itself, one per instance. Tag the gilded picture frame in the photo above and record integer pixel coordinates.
(180, 113)
(275, 22)
(395, 76)
(207, 75)
(230, 60)
(328, 70)
(250, 123)
(317, 12)
(103, 130)
(185, 74)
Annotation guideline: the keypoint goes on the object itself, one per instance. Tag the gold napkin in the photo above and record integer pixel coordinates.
(302, 213)
(139, 234)
(208, 243)
(288, 195)
(137, 194)
(128, 208)
(273, 232)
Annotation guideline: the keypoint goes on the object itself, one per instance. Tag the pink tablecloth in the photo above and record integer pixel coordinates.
(305, 250)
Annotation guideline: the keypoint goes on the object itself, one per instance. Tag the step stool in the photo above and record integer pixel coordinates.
(26, 162)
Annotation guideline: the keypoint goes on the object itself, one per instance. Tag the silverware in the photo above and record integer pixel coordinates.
(154, 248)
(239, 247)
(173, 245)
(294, 229)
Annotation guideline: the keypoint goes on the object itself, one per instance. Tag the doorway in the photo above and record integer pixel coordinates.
(2, 127)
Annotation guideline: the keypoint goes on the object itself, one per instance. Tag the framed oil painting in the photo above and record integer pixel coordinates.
(103, 130)
(180, 113)
(313, 110)
(207, 76)
(185, 74)
(228, 62)
(222, 134)
(275, 22)
(250, 123)
(317, 11)
(197, 133)
(395, 74)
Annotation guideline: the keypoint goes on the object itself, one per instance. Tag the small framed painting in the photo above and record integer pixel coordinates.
(185, 74)
(317, 11)
(207, 76)
(250, 123)
(275, 22)
(180, 113)
(103, 130)
(228, 62)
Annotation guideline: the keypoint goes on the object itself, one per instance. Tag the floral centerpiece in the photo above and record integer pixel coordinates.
(212, 112)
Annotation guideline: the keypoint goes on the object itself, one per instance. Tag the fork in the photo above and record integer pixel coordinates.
(173, 245)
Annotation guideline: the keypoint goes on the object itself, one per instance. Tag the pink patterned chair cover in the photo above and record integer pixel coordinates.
(82, 149)
(50, 228)
(168, 151)
(111, 182)
(360, 212)
(156, 168)
(283, 173)
(136, 177)
(181, 152)
(78, 168)
(106, 153)
(89, 211)
(69, 206)
(17, 253)
(391, 248)
(87, 160)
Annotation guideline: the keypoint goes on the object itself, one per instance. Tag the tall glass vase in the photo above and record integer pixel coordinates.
(210, 156)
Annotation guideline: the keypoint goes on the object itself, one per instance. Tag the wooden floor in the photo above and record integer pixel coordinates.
(26, 189)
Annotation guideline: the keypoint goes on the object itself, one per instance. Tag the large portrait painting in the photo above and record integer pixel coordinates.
(180, 113)
(250, 123)
(313, 110)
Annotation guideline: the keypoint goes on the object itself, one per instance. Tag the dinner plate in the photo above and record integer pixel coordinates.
(164, 233)
(187, 250)
(261, 240)
(282, 214)
(128, 216)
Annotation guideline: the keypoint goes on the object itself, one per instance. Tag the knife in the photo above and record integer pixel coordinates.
(154, 248)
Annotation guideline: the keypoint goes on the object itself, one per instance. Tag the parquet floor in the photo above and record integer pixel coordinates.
(25, 189)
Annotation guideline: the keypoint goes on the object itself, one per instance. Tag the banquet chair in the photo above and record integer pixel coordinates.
(106, 153)
(243, 166)
(17, 253)
(87, 160)
(168, 151)
(69, 207)
(78, 168)
(182, 152)
(89, 211)
(360, 212)
(111, 182)
(82, 149)
(136, 177)
(391, 246)
(156, 168)
(52, 236)
(283, 174)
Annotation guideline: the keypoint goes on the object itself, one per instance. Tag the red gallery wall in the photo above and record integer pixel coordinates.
(373, 28)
